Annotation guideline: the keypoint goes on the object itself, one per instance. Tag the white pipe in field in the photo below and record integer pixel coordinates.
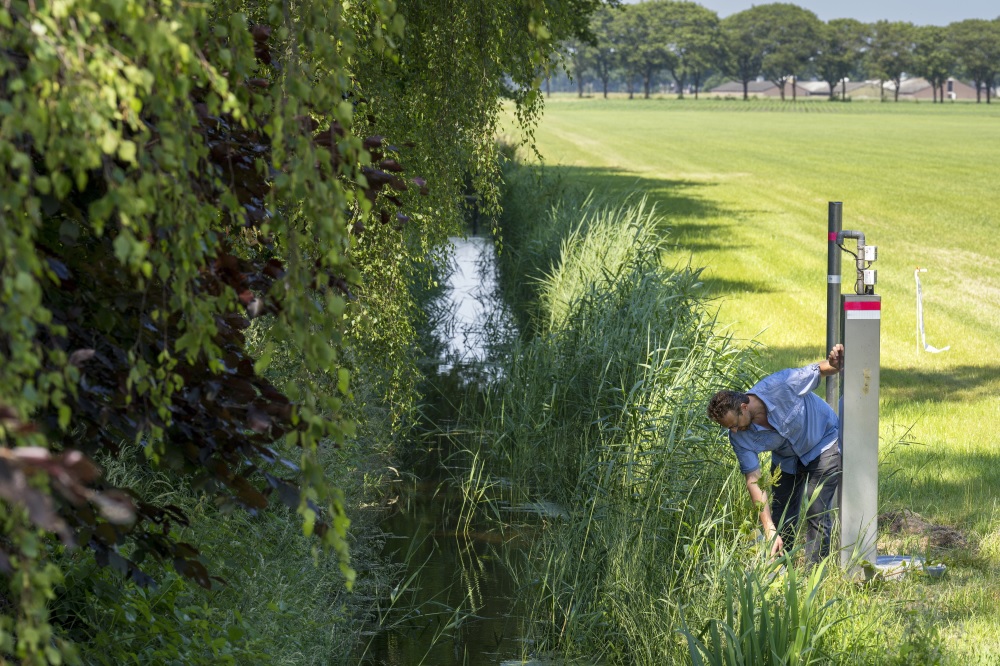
(921, 338)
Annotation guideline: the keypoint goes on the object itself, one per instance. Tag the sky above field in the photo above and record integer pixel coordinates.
(921, 13)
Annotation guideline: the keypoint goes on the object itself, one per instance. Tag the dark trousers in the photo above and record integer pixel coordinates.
(792, 490)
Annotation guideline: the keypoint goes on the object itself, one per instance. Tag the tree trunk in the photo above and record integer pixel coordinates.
(746, 96)
(979, 85)
(647, 81)
(680, 84)
(548, 86)
(843, 89)
(604, 86)
(794, 97)
(782, 90)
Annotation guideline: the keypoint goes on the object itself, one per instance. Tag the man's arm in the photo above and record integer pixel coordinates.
(831, 364)
(760, 499)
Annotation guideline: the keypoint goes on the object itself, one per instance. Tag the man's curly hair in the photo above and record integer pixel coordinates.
(724, 402)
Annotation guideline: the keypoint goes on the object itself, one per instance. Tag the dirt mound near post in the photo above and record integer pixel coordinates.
(909, 532)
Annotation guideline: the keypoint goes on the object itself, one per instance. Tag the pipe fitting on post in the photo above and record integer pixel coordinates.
(865, 283)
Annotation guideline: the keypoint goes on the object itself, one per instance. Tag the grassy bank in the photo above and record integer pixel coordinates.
(744, 188)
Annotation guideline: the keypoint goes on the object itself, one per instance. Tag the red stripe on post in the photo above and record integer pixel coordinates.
(863, 305)
(832, 237)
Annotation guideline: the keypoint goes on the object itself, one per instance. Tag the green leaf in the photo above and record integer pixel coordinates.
(24, 282)
(127, 151)
(62, 185)
(65, 414)
(264, 360)
(109, 142)
(123, 245)
(308, 521)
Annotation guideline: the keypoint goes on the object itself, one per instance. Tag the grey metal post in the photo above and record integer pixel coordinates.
(859, 426)
(834, 225)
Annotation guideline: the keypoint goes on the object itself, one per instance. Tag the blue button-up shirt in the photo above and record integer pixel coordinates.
(804, 425)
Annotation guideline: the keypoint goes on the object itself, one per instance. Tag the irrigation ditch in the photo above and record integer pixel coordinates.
(456, 600)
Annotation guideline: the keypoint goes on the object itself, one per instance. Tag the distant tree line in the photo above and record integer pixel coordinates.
(688, 44)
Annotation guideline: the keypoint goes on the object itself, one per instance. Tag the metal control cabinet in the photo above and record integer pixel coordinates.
(859, 393)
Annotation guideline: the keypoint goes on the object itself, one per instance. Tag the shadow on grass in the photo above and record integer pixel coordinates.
(962, 383)
(696, 222)
(700, 236)
(718, 287)
(943, 482)
(773, 359)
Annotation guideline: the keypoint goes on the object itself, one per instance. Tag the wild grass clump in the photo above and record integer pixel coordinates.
(275, 599)
(538, 212)
(617, 355)
(600, 409)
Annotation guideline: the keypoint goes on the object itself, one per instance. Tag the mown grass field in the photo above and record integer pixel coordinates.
(744, 188)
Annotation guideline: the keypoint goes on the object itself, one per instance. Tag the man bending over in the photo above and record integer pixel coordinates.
(781, 414)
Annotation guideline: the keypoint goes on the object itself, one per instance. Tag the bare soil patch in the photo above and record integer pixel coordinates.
(907, 531)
